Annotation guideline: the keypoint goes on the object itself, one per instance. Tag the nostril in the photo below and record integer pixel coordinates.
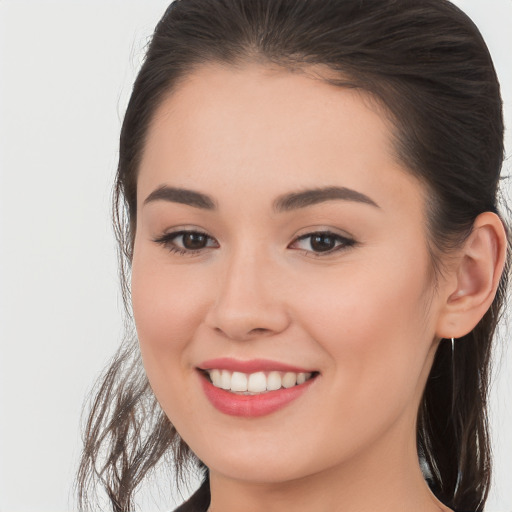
(245, 322)
(259, 330)
(247, 335)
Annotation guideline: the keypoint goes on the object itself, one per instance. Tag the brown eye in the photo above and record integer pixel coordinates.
(193, 241)
(322, 242)
(186, 242)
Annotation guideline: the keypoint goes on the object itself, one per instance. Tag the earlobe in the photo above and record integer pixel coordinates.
(476, 276)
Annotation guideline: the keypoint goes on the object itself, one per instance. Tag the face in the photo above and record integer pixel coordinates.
(280, 245)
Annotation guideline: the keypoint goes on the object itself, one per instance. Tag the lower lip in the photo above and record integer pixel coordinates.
(251, 406)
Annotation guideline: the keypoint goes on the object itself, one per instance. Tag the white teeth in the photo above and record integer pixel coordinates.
(289, 380)
(238, 382)
(273, 381)
(301, 378)
(225, 379)
(258, 382)
(216, 376)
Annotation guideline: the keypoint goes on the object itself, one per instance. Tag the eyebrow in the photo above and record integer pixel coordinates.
(284, 203)
(183, 196)
(305, 198)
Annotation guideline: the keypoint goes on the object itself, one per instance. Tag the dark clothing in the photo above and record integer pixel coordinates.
(199, 501)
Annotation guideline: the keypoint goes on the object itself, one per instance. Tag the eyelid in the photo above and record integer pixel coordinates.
(346, 242)
(167, 240)
(314, 230)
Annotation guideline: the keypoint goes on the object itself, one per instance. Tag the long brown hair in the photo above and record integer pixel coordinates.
(427, 63)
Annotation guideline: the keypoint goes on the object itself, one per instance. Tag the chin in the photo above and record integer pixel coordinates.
(263, 462)
(258, 470)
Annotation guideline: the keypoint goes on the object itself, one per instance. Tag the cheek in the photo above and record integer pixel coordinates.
(363, 301)
(167, 308)
(372, 322)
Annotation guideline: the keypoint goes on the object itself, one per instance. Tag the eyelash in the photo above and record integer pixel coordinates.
(167, 240)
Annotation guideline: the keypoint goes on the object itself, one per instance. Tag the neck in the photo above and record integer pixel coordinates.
(386, 478)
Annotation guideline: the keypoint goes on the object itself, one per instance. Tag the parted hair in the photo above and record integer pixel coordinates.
(427, 64)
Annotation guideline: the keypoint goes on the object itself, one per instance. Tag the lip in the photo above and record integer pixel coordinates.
(251, 406)
(251, 366)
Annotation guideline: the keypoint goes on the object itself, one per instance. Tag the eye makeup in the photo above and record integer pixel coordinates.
(191, 242)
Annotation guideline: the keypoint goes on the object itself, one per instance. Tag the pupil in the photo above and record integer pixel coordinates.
(322, 242)
(194, 240)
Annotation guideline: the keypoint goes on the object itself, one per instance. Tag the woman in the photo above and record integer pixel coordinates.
(306, 203)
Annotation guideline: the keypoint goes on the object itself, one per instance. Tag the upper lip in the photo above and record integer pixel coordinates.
(250, 366)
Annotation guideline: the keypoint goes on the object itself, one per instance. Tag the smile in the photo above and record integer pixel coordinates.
(256, 383)
(252, 388)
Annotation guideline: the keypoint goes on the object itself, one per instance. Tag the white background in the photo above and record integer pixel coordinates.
(66, 69)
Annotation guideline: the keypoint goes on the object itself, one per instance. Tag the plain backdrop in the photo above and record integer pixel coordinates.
(66, 70)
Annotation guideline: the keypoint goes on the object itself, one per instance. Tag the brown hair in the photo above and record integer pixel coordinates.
(427, 63)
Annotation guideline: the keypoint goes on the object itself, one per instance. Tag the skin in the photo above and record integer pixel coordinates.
(366, 315)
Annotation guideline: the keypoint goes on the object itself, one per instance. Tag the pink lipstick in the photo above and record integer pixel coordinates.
(252, 388)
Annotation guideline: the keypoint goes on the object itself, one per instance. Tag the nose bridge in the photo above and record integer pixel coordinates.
(248, 302)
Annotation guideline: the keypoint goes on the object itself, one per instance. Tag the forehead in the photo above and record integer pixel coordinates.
(228, 129)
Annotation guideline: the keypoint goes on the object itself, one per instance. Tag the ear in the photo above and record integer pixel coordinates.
(471, 286)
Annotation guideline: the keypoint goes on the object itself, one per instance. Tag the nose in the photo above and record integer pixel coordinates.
(248, 300)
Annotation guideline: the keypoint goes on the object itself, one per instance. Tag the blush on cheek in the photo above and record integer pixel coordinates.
(167, 311)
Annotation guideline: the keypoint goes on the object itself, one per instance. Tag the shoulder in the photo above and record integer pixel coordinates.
(199, 501)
